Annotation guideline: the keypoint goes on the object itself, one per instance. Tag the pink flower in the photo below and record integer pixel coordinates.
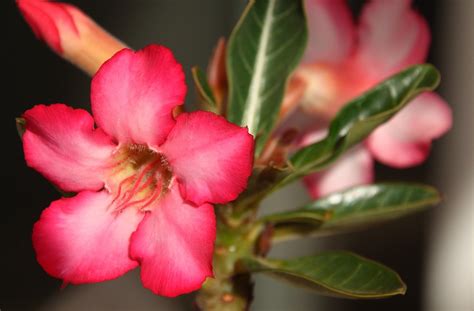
(70, 33)
(343, 61)
(144, 179)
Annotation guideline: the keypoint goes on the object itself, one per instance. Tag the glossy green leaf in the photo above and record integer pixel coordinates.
(353, 208)
(339, 274)
(264, 48)
(315, 217)
(204, 90)
(361, 116)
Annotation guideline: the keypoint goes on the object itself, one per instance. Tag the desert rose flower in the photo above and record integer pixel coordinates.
(70, 33)
(344, 60)
(144, 179)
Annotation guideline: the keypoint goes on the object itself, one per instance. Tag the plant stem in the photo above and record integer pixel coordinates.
(227, 294)
(231, 288)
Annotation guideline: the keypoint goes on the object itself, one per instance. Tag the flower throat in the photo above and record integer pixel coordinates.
(139, 177)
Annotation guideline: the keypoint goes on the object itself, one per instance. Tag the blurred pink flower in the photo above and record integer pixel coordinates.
(70, 33)
(144, 179)
(343, 61)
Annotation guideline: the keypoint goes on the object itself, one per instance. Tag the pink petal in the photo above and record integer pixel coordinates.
(84, 240)
(406, 139)
(392, 36)
(134, 93)
(352, 169)
(62, 144)
(174, 245)
(295, 90)
(48, 20)
(312, 136)
(331, 31)
(211, 157)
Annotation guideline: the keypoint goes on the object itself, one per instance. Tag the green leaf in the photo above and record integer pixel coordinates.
(204, 90)
(362, 115)
(264, 48)
(353, 208)
(315, 217)
(338, 274)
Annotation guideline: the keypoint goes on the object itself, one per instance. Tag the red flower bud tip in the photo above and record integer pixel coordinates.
(70, 33)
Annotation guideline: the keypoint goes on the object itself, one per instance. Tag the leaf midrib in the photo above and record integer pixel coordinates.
(251, 117)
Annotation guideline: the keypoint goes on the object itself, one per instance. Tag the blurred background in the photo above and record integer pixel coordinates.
(433, 251)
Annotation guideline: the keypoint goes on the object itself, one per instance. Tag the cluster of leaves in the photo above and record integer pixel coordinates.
(264, 48)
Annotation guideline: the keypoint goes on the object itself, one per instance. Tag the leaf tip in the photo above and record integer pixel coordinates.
(436, 196)
(403, 288)
(431, 77)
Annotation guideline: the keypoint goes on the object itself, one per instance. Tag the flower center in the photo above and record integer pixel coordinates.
(138, 178)
(321, 89)
(330, 87)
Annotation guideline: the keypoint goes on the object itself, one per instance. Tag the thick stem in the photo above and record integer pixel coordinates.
(231, 288)
(226, 294)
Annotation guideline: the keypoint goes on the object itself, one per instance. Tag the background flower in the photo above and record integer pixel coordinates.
(343, 60)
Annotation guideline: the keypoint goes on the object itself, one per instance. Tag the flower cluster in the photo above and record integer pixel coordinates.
(342, 61)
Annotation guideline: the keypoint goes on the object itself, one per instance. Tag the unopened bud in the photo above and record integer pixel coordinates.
(216, 73)
(70, 33)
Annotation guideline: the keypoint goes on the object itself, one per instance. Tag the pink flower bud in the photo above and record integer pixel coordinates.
(70, 33)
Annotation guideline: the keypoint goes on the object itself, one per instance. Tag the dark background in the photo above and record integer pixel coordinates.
(33, 74)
